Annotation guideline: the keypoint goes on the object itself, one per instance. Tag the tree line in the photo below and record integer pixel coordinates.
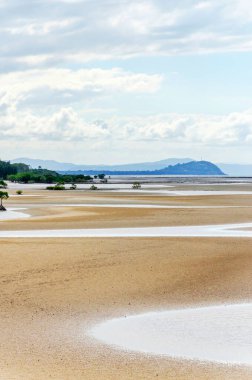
(22, 173)
(6, 169)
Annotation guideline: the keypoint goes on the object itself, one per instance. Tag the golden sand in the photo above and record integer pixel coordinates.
(53, 290)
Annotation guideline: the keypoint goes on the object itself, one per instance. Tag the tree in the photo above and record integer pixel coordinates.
(6, 168)
(3, 195)
(101, 176)
(3, 185)
(20, 168)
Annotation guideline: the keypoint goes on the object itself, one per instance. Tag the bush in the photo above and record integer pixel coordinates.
(93, 187)
(136, 185)
(19, 192)
(56, 187)
(73, 186)
(59, 187)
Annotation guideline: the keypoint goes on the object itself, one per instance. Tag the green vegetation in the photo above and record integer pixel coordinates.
(6, 168)
(22, 173)
(3, 195)
(19, 192)
(101, 176)
(58, 186)
(47, 176)
(3, 185)
(136, 185)
(93, 187)
(20, 168)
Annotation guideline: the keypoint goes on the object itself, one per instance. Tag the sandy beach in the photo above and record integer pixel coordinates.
(55, 290)
(125, 190)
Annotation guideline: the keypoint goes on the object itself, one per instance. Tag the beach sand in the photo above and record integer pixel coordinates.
(54, 290)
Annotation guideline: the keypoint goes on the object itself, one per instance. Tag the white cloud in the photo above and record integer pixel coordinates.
(47, 82)
(67, 125)
(40, 28)
(106, 29)
(31, 85)
(234, 128)
(63, 125)
(34, 60)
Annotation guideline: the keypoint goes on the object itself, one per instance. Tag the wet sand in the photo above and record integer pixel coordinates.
(54, 290)
(218, 334)
(45, 215)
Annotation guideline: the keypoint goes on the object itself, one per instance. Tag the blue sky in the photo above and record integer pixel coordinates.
(125, 81)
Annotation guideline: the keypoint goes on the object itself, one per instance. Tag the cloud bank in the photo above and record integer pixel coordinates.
(48, 32)
(61, 59)
(66, 125)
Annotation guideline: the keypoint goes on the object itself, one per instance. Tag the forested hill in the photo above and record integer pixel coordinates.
(20, 172)
(189, 168)
(193, 168)
(6, 168)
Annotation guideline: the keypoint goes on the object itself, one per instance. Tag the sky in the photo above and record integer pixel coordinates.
(120, 81)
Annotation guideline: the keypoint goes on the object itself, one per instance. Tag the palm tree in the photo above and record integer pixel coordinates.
(3, 195)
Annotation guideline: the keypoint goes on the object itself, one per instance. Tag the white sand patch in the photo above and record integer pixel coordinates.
(224, 230)
(209, 192)
(12, 214)
(218, 333)
(136, 205)
(188, 193)
(23, 195)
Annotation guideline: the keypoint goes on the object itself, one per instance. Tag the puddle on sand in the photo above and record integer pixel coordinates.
(13, 214)
(220, 334)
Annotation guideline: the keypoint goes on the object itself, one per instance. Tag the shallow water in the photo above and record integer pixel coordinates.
(137, 205)
(218, 333)
(225, 230)
(188, 193)
(12, 214)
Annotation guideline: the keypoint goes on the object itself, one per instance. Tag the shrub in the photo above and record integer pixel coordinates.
(136, 185)
(19, 192)
(59, 187)
(93, 187)
(56, 187)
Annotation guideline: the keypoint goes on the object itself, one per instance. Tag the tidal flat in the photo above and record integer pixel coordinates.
(56, 290)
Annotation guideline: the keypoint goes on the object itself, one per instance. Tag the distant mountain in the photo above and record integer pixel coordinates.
(61, 166)
(229, 169)
(46, 164)
(189, 168)
(193, 168)
(236, 169)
